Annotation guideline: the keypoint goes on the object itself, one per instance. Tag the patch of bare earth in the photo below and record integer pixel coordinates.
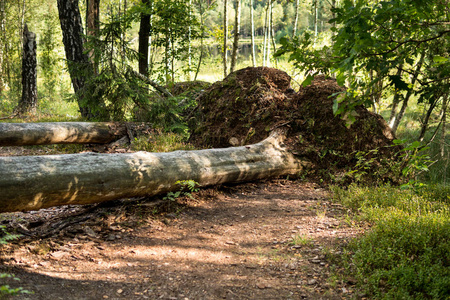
(264, 240)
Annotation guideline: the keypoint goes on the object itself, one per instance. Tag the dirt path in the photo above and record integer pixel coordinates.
(265, 240)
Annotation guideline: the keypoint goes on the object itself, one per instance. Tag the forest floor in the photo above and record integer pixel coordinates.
(272, 239)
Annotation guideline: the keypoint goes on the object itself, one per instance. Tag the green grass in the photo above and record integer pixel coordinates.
(406, 253)
(301, 240)
(161, 142)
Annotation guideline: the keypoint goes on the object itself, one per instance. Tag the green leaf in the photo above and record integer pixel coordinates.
(439, 59)
(308, 80)
(340, 78)
(335, 106)
(398, 82)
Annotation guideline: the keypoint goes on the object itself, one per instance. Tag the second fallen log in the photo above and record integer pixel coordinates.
(23, 134)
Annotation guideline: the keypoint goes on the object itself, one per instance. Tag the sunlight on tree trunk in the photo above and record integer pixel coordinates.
(297, 4)
(315, 18)
(26, 134)
(53, 180)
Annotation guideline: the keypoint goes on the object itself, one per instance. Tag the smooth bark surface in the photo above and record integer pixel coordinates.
(34, 182)
(22, 134)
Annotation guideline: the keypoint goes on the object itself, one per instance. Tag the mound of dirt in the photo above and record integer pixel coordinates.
(248, 104)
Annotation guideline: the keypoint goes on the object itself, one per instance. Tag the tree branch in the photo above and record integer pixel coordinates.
(147, 80)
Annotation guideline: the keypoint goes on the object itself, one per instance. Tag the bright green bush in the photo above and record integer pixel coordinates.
(406, 254)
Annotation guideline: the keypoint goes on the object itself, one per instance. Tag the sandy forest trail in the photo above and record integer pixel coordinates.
(262, 240)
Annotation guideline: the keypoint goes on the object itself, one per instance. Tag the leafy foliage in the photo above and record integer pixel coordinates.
(6, 289)
(186, 188)
(401, 44)
(405, 254)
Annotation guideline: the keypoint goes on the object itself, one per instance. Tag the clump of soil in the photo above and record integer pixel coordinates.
(247, 105)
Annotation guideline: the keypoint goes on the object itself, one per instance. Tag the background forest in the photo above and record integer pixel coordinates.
(185, 39)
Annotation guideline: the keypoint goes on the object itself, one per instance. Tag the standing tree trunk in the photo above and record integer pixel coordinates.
(2, 42)
(269, 31)
(426, 119)
(144, 39)
(252, 34)
(333, 14)
(443, 143)
(28, 102)
(395, 100)
(225, 38)
(297, 4)
(402, 111)
(316, 15)
(77, 61)
(93, 26)
(202, 34)
(266, 29)
(237, 28)
(190, 42)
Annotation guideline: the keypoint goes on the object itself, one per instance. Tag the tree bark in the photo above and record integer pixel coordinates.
(22, 134)
(28, 102)
(144, 39)
(402, 111)
(91, 178)
(2, 42)
(77, 61)
(93, 26)
(297, 5)
(316, 13)
(252, 34)
(225, 38)
(237, 29)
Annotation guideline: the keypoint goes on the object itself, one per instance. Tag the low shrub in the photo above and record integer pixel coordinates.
(406, 254)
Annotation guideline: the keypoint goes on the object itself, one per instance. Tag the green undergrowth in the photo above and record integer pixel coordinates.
(406, 253)
(161, 142)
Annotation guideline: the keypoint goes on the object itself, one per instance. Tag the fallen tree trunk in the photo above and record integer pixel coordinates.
(23, 134)
(34, 182)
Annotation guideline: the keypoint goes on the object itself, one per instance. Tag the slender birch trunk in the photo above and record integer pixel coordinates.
(225, 38)
(297, 5)
(237, 28)
(252, 34)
